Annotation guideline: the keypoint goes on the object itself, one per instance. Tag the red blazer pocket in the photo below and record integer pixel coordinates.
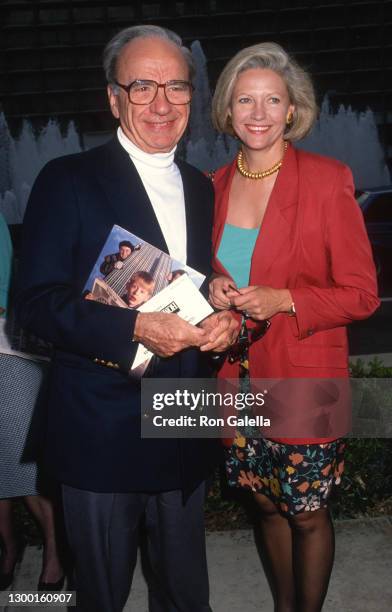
(318, 356)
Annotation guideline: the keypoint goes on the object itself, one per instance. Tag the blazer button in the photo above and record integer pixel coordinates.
(310, 332)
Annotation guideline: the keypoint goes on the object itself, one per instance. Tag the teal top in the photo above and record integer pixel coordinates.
(235, 252)
(5, 262)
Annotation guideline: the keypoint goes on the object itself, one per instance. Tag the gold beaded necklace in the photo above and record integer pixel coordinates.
(258, 175)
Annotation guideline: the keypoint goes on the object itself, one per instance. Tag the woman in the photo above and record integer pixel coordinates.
(20, 384)
(290, 247)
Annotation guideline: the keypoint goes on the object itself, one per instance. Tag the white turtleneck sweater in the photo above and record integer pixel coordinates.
(162, 181)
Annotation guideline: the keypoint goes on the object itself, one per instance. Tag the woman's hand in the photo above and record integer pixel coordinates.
(219, 286)
(260, 303)
(223, 329)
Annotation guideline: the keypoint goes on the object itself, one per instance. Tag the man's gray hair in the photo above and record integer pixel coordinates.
(122, 38)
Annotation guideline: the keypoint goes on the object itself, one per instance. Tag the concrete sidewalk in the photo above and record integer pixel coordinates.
(361, 579)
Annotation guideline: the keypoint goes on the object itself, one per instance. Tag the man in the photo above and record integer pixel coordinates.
(115, 261)
(139, 289)
(110, 475)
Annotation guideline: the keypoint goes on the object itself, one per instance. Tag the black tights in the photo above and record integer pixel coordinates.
(298, 555)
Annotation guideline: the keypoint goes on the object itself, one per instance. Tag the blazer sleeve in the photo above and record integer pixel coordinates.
(49, 282)
(352, 293)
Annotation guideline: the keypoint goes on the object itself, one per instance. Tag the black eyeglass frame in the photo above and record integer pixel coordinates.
(127, 88)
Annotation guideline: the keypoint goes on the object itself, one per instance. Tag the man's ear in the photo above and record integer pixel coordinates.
(113, 101)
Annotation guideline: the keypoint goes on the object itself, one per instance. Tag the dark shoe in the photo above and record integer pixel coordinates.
(51, 586)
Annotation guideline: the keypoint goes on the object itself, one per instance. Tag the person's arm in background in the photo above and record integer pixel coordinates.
(5, 264)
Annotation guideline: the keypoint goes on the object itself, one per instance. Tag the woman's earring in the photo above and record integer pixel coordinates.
(289, 118)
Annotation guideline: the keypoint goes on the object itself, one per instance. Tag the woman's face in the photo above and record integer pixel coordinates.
(259, 108)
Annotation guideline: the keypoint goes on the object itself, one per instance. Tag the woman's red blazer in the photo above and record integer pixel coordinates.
(312, 241)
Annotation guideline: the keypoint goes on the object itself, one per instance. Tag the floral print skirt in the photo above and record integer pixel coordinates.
(296, 477)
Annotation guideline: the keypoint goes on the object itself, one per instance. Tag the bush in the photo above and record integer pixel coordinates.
(366, 487)
(373, 369)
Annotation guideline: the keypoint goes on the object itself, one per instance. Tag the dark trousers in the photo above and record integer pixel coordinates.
(103, 532)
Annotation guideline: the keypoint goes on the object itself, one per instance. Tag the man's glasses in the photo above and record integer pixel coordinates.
(247, 337)
(144, 91)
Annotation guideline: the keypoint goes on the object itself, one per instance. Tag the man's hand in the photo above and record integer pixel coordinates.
(222, 329)
(260, 303)
(218, 288)
(166, 334)
(119, 265)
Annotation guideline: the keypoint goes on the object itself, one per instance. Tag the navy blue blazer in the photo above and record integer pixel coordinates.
(93, 435)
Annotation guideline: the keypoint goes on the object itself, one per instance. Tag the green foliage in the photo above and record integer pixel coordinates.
(373, 369)
(366, 487)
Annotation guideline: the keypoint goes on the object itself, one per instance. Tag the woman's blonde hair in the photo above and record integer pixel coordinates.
(299, 86)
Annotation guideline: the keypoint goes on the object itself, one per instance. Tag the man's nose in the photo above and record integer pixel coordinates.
(160, 104)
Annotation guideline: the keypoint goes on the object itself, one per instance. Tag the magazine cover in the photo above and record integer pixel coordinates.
(131, 273)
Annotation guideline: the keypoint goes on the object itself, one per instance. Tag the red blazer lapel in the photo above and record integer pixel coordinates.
(278, 232)
(274, 248)
(222, 184)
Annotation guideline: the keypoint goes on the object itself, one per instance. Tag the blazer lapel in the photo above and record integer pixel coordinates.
(197, 225)
(277, 233)
(133, 210)
(127, 196)
(222, 184)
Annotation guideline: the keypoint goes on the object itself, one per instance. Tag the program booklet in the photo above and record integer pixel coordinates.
(131, 273)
